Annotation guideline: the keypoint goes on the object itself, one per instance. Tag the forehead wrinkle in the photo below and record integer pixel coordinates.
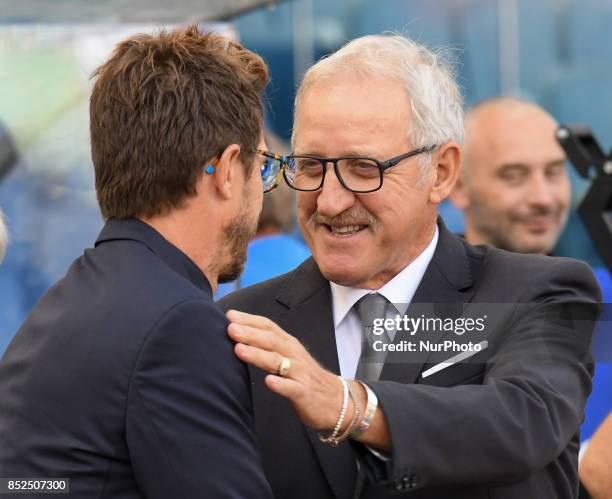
(347, 130)
(388, 96)
(350, 141)
(353, 121)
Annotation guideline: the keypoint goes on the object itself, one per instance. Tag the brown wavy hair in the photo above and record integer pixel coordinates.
(164, 105)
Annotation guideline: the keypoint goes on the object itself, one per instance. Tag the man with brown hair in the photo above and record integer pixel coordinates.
(122, 379)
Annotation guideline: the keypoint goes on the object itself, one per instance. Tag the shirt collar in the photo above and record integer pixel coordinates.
(135, 230)
(398, 290)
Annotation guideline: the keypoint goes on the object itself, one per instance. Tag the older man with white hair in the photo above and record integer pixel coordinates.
(376, 148)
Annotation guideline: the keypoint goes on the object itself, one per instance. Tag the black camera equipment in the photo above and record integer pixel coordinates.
(590, 161)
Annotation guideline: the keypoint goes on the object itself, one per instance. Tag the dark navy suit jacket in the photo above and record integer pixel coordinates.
(123, 380)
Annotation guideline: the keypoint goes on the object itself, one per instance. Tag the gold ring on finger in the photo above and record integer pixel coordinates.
(284, 366)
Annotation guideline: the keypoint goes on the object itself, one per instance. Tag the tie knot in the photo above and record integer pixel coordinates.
(371, 306)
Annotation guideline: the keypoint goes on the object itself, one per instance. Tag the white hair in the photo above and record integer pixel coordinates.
(436, 103)
(3, 236)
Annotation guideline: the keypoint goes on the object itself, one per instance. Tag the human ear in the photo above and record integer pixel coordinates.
(447, 162)
(225, 173)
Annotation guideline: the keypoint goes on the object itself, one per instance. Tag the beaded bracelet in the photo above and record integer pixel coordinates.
(352, 426)
(333, 438)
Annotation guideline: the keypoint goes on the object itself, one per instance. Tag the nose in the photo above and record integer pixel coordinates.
(540, 191)
(333, 197)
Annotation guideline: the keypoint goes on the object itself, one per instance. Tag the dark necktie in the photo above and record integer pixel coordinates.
(372, 306)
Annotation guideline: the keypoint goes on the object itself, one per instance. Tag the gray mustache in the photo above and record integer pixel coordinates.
(361, 217)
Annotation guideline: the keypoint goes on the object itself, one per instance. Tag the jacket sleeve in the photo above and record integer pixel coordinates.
(189, 412)
(528, 407)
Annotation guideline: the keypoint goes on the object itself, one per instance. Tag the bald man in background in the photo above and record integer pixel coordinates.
(514, 188)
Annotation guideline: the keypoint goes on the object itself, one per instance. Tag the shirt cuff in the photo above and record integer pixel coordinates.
(383, 456)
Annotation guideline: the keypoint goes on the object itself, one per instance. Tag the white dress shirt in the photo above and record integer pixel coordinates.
(399, 291)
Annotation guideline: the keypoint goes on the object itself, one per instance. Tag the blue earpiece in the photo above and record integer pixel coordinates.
(210, 169)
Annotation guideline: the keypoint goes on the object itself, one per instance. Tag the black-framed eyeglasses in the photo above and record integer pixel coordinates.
(307, 173)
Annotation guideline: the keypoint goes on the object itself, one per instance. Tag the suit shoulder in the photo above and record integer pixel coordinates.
(140, 274)
(532, 262)
(540, 271)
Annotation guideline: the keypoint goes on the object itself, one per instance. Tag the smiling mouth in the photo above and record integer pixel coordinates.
(539, 223)
(344, 230)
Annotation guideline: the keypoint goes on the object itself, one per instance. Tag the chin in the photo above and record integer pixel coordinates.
(543, 247)
(344, 274)
(231, 273)
(342, 279)
(348, 268)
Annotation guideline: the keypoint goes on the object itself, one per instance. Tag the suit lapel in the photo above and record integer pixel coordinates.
(309, 318)
(447, 283)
